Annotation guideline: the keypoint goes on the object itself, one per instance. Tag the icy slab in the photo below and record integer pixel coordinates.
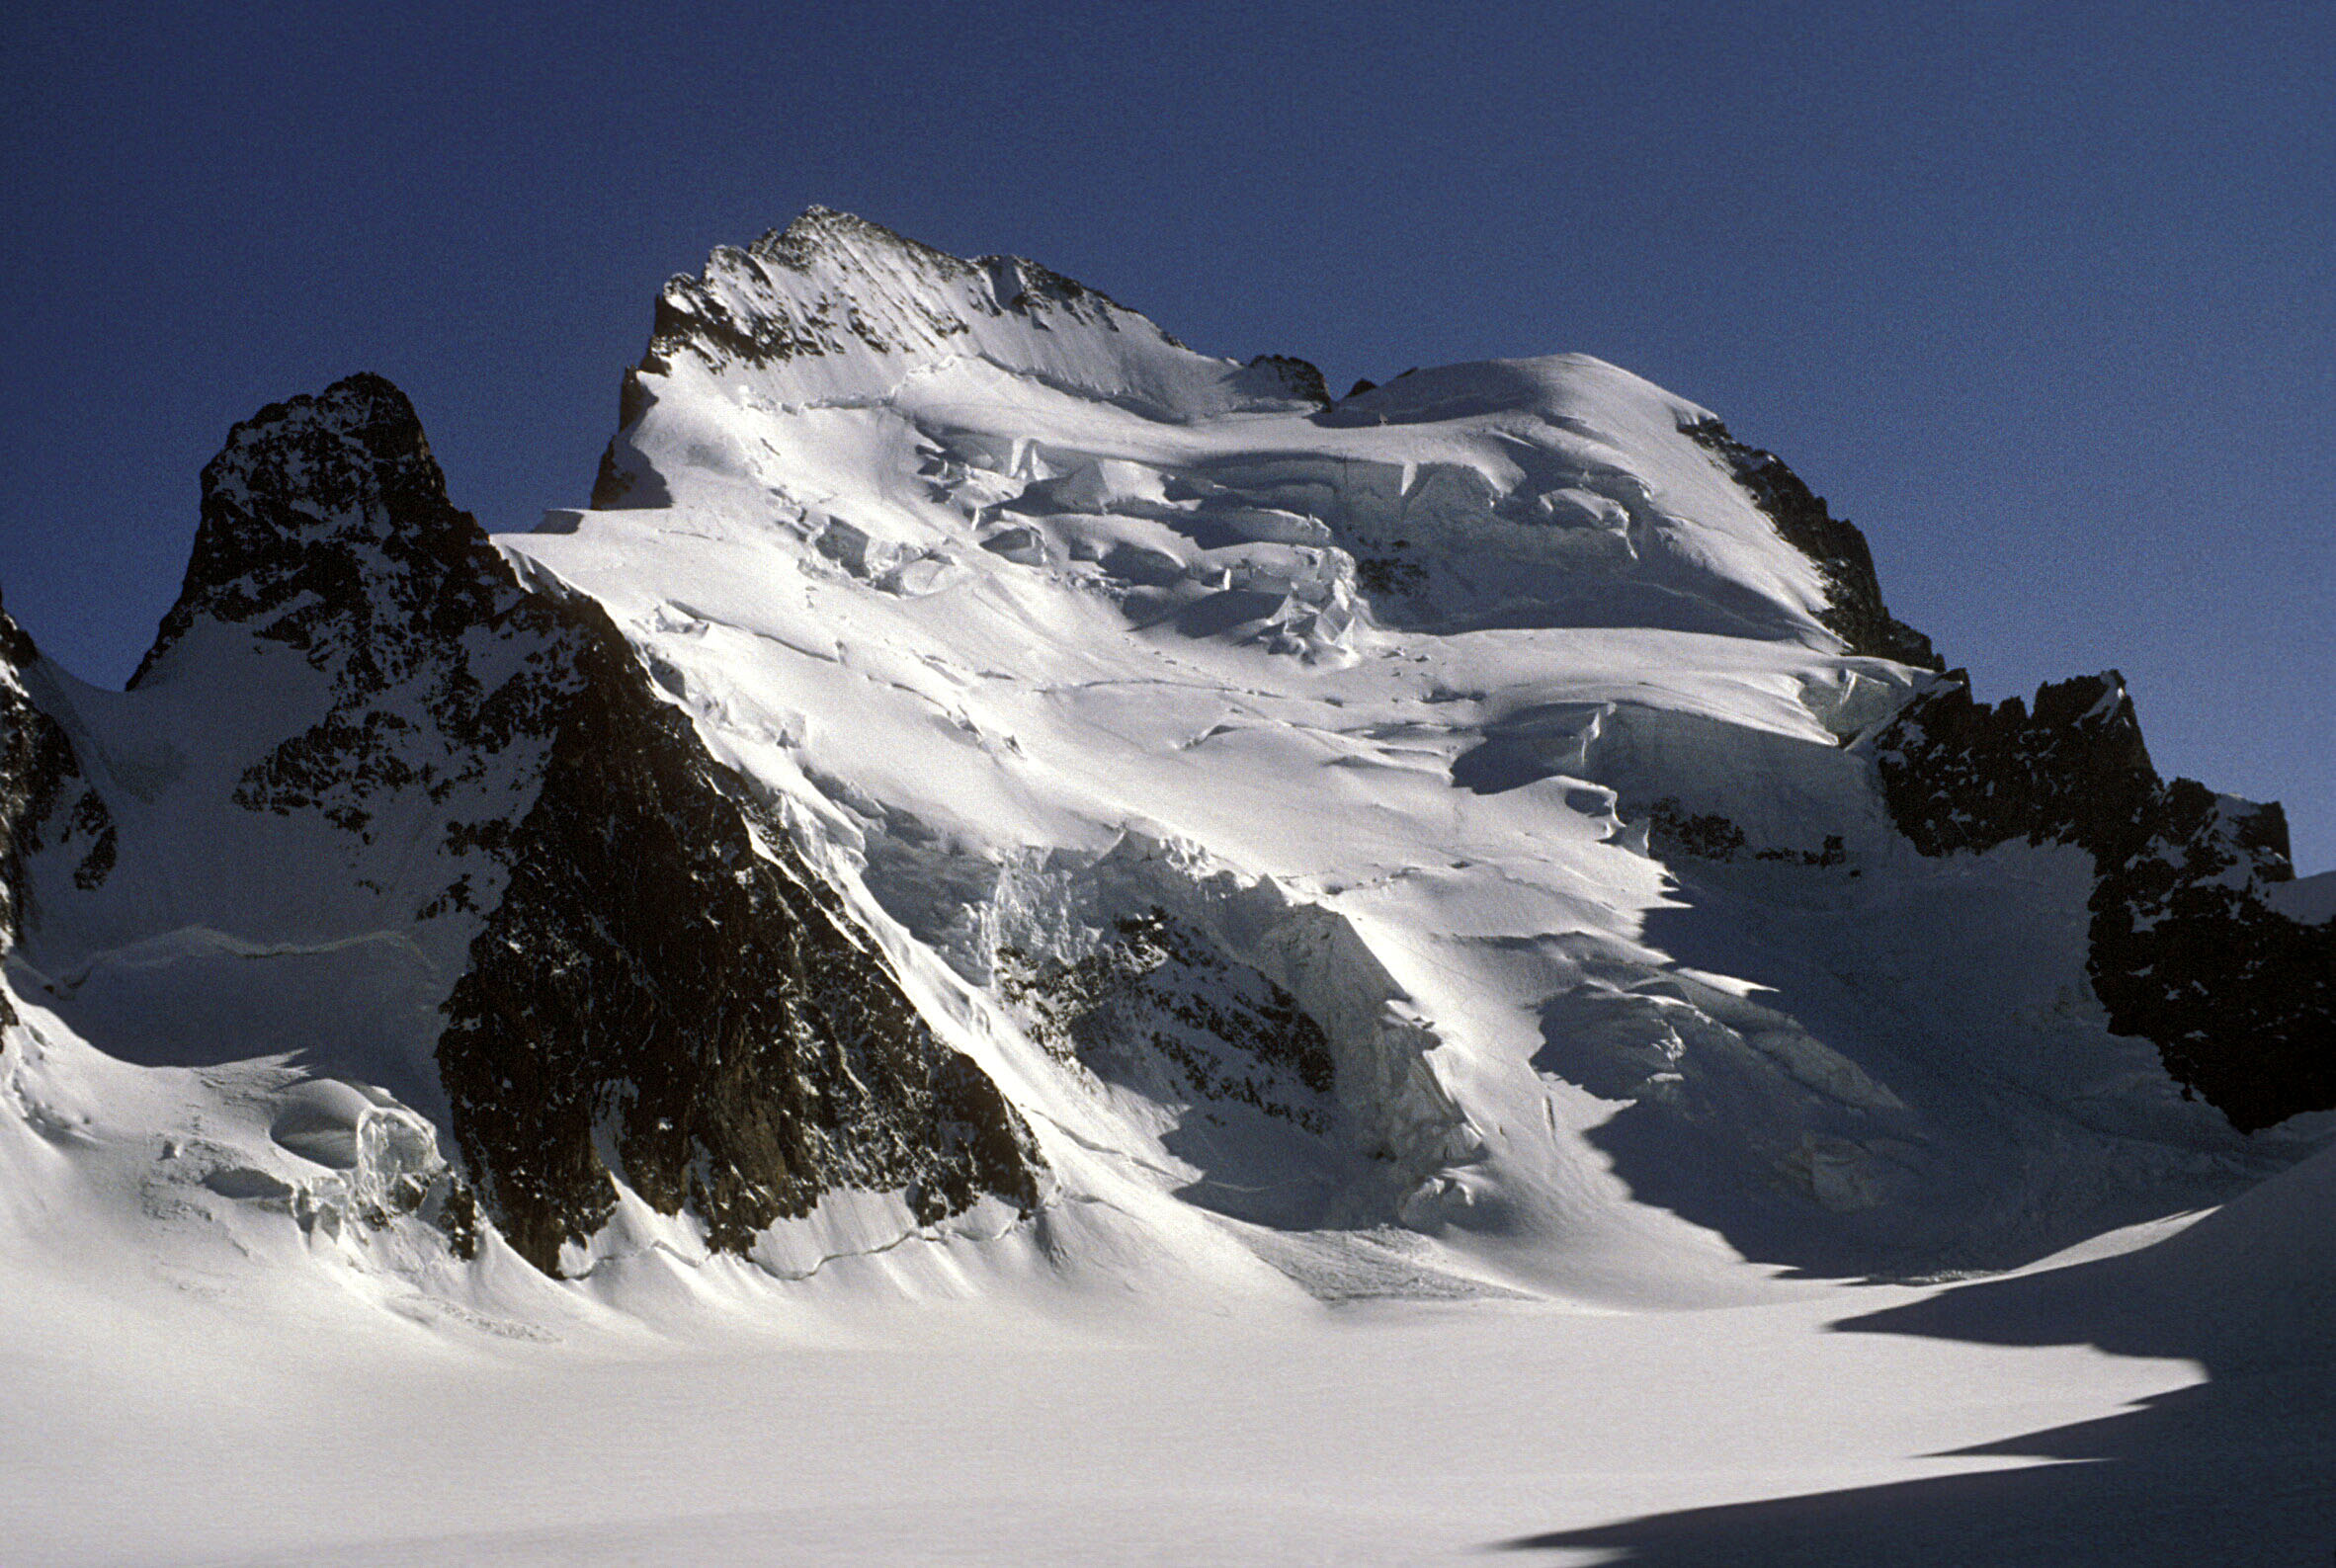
(2309, 899)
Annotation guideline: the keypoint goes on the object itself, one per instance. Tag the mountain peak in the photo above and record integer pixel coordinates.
(311, 501)
(364, 410)
(823, 231)
(16, 643)
(833, 309)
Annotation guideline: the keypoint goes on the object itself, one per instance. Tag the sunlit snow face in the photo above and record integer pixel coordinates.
(1401, 703)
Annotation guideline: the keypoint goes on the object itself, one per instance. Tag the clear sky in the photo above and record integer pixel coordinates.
(2042, 296)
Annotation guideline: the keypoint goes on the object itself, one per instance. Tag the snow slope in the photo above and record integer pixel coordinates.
(1052, 623)
(232, 1432)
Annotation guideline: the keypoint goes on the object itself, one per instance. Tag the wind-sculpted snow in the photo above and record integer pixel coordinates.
(1008, 875)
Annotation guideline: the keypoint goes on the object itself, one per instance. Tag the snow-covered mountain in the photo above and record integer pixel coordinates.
(987, 791)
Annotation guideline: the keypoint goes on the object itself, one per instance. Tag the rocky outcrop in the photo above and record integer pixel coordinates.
(667, 993)
(1155, 1004)
(45, 800)
(1958, 775)
(28, 782)
(1287, 375)
(1855, 613)
(326, 527)
(2184, 950)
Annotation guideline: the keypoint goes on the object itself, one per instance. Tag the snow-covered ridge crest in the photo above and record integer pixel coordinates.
(1020, 411)
(1167, 874)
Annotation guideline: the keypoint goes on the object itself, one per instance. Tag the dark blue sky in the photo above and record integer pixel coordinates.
(2044, 297)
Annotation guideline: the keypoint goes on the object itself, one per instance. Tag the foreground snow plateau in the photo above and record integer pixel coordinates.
(152, 1426)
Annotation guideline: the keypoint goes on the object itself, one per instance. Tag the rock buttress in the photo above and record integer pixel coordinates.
(667, 993)
(45, 800)
(1855, 613)
(2182, 948)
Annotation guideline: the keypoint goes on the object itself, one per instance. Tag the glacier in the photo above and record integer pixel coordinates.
(995, 826)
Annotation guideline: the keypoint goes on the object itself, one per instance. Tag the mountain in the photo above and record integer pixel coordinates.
(988, 784)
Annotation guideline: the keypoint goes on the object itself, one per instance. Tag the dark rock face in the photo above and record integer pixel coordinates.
(45, 800)
(1961, 776)
(30, 770)
(2240, 999)
(660, 988)
(1298, 378)
(1857, 616)
(326, 527)
(665, 979)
